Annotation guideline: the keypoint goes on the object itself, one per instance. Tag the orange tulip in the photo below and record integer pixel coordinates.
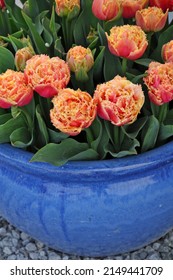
(47, 75)
(106, 9)
(64, 7)
(14, 90)
(73, 111)
(151, 19)
(128, 41)
(163, 4)
(167, 52)
(131, 6)
(80, 59)
(21, 57)
(159, 82)
(119, 101)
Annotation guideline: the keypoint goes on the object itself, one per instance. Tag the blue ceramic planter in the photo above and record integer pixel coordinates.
(89, 208)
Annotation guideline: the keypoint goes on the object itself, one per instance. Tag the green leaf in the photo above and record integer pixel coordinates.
(33, 8)
(8, 127)
(21, 137)
(16, 43)
(150, 134)
(115, 69)
(165, 132)
(132, 130)
(144, 61)
(164, 38)
(16, 15)
(67, 150)
(56, 136)
(98, 65)
(97, 137)
(6, 60)
(39, 43)
(42, 132)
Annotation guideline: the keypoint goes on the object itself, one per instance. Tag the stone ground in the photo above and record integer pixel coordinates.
(16, 245)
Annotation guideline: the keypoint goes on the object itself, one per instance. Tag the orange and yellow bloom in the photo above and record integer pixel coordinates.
(47, 75)
(167, 52)
(73, 111)
(21, 57)
(65, 7)
(129, 7)
(127, 41)
(106, 9)
(159, 81)
(163, 4)
(119, 101)
(151, 19)
(80, 59)
(14, 90)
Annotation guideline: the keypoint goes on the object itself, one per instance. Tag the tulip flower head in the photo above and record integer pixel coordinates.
(47, 75)
(14, 91)
(129, 7)
(106, 9)
(151, 19)
(167, 52)
(72, 111)
(66, 7)
(163, 4)
(80, 60)
(2, 4)
(159, 82)
(127, 41)
(119, 101)
(21, 57)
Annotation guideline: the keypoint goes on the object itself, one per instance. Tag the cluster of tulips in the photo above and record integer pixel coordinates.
(118, 100)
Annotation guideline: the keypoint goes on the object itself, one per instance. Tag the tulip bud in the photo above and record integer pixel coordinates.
(21, 57)
(106, 10)
(67, 8)
(151, 19)
(167, 52)
(80, 60)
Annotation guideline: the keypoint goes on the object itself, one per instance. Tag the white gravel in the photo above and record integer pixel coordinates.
(16, 245)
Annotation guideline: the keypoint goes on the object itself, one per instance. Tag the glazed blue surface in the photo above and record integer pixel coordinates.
(89, 208)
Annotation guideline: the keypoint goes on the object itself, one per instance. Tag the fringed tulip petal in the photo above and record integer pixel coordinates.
(72, 111)
(14, 89)
(127, 41)
(47, 75)
(159, 81)
(119, 101)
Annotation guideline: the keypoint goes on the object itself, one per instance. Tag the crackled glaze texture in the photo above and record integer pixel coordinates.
(94, 208)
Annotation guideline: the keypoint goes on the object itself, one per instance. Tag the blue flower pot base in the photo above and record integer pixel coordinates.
(94, 209)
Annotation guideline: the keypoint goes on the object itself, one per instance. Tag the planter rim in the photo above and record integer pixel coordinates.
(130, 164)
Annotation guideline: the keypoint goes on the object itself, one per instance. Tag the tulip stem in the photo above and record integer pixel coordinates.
(124, 65)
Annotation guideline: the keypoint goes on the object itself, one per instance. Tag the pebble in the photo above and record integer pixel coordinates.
(17, 245)
(30, 247)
